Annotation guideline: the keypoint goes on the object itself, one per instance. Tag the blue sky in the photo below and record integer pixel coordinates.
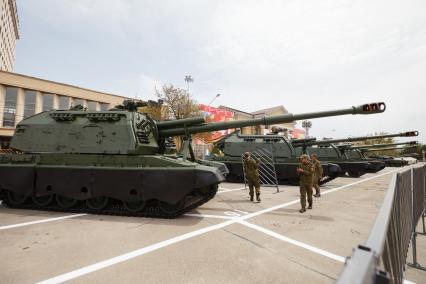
(306, 55)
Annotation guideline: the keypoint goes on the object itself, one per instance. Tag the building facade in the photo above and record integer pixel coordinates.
(9, 34)
(22, 96)
(261, 129)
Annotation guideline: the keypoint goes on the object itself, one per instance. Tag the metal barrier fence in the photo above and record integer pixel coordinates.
(383, 257)
(267, 173)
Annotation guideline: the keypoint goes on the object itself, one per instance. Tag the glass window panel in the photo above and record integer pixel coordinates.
(104, 107)
(47, 102)
(78, 102)
(30, 103)
(10, 107)
(64, 102)
(91, 105)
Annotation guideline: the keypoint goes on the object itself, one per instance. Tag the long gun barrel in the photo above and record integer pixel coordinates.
(289, 117)
(180, 122)
(411, 143)
(388, 149)
(302, 143)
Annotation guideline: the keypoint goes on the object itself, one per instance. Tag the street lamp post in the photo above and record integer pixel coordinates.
(188, 79)
(215, 97)
(307, 124)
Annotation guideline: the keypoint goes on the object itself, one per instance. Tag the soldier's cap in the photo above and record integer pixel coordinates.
(246, 154)
(304, 156)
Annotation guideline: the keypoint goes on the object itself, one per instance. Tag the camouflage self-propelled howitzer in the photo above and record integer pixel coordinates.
(359, 153)
(389, 161)
(113, 162)
(350, 159)
(285, 157)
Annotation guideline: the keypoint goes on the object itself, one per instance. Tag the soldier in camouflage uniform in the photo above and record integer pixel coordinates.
(305, 171)
(251, 168)
(317, 175)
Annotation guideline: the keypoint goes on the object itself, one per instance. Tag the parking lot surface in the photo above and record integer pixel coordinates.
(228, 239)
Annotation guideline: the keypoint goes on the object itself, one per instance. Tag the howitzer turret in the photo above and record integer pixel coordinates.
(284, 155)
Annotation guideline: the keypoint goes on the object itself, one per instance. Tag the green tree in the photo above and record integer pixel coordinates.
(177, 104)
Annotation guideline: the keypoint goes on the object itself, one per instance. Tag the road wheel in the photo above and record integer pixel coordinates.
(15, 198)
(44, 200)
(171, 209)
(97, 203)
(65, 202)
(134, 206)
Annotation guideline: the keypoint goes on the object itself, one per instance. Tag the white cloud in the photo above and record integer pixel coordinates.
(307, 55)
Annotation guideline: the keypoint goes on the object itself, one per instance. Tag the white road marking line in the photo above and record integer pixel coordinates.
(40, 221)
(208, 216)
(232, 214)
(229, 190)
(244, 212)
(357, 182)
(408, 282)
(124, 257)
(293, 242)
(130, 255)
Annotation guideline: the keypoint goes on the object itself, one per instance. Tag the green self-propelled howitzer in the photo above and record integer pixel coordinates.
(388, 160)
(349, 158)
(285, 158)
(372, 146)
(113, 162)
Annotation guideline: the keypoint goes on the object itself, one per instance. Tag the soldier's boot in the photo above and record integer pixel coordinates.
(303, 210)
(258, 197)
(310, 206)
(251, 197)
(317, 193)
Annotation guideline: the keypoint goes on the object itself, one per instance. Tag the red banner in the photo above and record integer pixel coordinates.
(298, 133)
(217, 115)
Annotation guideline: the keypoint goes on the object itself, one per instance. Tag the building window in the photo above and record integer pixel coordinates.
(64, 102)
(30, 103)
(47, 102)
(91, 105)
(78, 102)
(10, 107)
(104, 106)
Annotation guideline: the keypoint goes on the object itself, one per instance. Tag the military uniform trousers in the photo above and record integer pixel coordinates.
(254, 183)
(315, 182)
(305, 193)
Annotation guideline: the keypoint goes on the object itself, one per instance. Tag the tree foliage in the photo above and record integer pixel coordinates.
(178, 103)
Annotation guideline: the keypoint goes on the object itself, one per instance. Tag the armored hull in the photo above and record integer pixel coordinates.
(332, 155)
(390, 162)
(285, 170)
(106, 184)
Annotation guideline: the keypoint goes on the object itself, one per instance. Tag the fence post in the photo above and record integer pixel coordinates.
(415, 264)
(244, 171)
(424, 201)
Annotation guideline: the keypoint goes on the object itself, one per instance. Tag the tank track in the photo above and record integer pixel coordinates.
(115, 207)
(327, 179)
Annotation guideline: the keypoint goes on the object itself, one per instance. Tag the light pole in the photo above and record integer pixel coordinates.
(307, 124)
(188, 79)
(215, 97)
